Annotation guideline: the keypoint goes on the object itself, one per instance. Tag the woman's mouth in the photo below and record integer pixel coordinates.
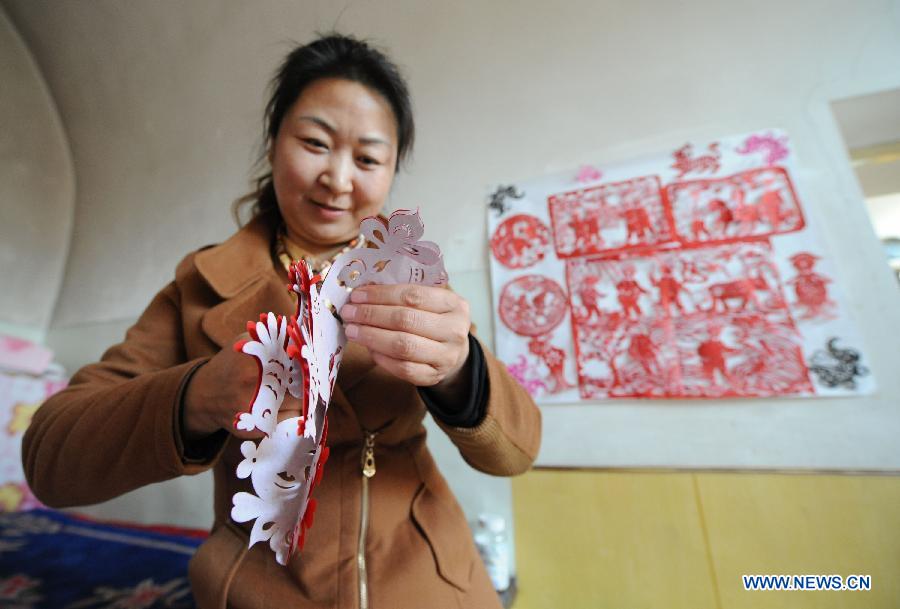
(328, 211)
(327, 207)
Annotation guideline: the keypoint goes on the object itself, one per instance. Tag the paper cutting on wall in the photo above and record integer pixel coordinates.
(498, 198)
(696, 274)
(299, 359)
(609, 218)
(520, 241)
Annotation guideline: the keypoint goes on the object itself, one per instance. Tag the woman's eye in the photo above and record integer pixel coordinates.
(367, 160)
(315, 143)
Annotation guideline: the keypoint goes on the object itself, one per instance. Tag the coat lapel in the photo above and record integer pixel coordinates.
(242, 272)
(243, 259)
(226, 321)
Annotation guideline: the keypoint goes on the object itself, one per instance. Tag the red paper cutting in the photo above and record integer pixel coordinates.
(520, 241)
(700, 322)
(756, 203)
(685, 162)
(532, 305)
(811, 288)
(610, 218)
(688, 274)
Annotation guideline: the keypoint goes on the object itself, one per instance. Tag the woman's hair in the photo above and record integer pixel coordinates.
(329, 56)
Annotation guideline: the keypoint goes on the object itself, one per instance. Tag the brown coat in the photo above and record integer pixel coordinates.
(115, 429)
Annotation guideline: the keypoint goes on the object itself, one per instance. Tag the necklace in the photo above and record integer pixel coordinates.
(288, 252)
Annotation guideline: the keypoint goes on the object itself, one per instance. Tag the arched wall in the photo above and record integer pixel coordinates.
(37, 192)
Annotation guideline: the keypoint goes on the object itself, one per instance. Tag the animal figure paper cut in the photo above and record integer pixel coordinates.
(687, 274)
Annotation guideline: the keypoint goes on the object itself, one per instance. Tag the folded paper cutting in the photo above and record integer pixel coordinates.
(300, 357)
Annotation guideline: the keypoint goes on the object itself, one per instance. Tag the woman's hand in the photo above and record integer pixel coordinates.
(218, 390)
(419, 334)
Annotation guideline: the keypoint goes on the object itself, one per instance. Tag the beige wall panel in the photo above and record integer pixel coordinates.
(588, 539)
(803, 525)
(595, 539)
(37, 191)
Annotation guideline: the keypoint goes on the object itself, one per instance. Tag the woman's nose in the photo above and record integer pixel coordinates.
(338, 176)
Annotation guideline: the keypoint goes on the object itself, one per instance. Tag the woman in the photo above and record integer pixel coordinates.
(161, 403)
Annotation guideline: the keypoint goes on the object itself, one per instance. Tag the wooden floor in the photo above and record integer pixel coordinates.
(680, 540)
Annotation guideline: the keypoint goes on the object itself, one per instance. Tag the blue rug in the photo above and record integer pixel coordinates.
(50, 560)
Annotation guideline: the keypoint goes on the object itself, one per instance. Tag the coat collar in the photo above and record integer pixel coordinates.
(241, 271)
(232, 266)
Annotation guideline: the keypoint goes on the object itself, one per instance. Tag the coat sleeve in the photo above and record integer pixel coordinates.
(507, 440)
(115, 428)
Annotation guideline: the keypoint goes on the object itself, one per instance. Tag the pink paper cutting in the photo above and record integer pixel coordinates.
(774, 147)
(588, 173)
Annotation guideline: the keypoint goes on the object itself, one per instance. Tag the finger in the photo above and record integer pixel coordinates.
(419, 374)
(247, 435)
(290, 407)
(424, 298)
(435, 326)
(398, 345)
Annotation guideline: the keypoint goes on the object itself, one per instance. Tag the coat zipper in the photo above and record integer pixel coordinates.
(368, 470)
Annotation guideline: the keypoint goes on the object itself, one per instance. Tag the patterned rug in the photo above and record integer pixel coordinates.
(51, 560)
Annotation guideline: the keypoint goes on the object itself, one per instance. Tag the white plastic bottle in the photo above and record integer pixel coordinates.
(493, 545)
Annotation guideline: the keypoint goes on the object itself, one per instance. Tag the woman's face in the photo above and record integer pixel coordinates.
(333, 162)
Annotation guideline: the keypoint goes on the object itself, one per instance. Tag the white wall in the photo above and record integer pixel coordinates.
(162, 102)
(885, 214)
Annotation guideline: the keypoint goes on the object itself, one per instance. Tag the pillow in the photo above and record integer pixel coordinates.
(20, 397)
